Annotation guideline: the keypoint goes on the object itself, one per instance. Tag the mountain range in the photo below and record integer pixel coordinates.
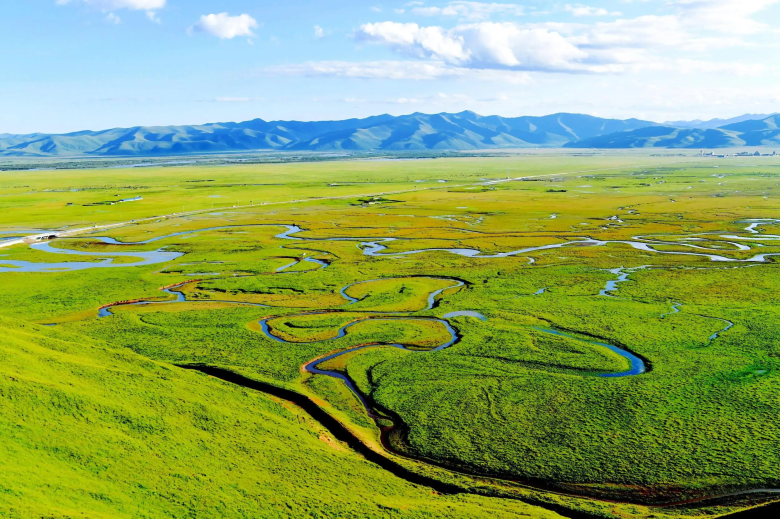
(698, 124)
(764, 132)
(415, 132)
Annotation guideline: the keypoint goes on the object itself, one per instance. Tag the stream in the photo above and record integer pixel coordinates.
(370, 246)
(637, 365)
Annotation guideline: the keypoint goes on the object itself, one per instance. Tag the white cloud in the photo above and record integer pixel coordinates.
(641, 32)
(109, 6)
(507, 51)
(319, 32)
(481, 46)
(729, 16)
(650, 42)
(407, 70)
(224, 26)
(115, 5)
(410, 38)
(469, 10)
(646, 33)
(584, 10)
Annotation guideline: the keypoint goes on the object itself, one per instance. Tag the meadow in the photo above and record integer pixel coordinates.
(473, 321)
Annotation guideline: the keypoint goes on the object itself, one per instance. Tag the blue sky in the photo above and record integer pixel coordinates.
(92, 64)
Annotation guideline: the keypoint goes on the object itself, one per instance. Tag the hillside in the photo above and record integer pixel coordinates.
(120, 436)
(763, 132)
(462, 131)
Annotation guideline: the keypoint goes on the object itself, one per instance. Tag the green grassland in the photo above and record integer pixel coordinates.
(92, 431)
(520, 420)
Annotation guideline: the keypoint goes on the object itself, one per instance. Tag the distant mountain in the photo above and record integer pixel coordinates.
(415, 132)
(462, 131)
(764, 132)
(714, 123)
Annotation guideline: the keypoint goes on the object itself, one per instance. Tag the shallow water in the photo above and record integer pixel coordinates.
(729, 326)
(638, 366)
(675, 310)
(145, 258)
(369, 246)
(466, 313)
(180, 298)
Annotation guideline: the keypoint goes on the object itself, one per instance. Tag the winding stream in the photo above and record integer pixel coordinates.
(181, 297)
(637, 365)
(729, 326)
(676, 308)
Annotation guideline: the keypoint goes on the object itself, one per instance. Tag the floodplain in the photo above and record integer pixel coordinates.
(544, 335)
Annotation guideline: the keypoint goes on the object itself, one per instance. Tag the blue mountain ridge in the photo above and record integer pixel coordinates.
(415, 132)
(752, 133)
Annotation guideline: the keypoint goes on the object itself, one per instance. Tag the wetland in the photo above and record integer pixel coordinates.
(616, 360)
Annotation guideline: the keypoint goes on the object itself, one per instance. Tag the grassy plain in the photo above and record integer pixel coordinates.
(508, 401)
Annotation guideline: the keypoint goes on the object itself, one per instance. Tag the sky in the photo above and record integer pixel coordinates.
(69, 65)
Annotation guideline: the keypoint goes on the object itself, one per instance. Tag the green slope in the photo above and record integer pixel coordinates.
(93, 432)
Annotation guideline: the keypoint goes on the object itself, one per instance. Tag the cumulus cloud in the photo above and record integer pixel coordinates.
(469, 10)
(114, 5)
(483, 45)
(226, 27)
(602, 47)
(508, 51)
(319, 32)
(410, 38)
